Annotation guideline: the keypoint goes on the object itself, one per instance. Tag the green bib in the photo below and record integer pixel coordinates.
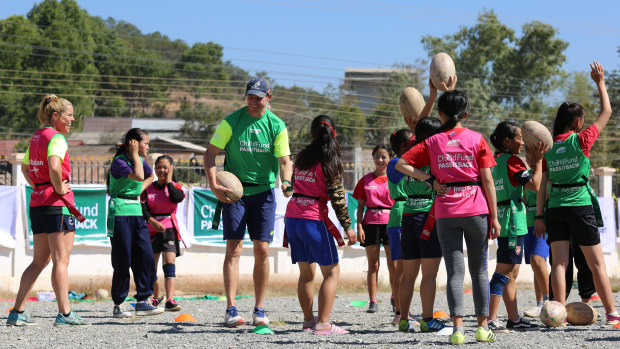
(415, 187)
(511, 214)
(123, 206)
(250, 153)
(530, 203)
(566, 164)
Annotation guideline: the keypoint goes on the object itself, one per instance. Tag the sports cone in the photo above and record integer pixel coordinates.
(617, 325)
(439, 314)
(185, 318)
(262, 329)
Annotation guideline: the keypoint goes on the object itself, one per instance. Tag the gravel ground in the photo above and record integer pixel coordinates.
(367, 330)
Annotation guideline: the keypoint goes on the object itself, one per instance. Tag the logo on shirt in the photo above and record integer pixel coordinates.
(453, 143)
(255, 130)
(561, 150)
(36, 162)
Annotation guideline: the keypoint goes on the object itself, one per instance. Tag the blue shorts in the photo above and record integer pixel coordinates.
(412, 247)
(256, 212)
(534, 245)
(508, 255)
(310, 241)
(393, 234)
(52, 223)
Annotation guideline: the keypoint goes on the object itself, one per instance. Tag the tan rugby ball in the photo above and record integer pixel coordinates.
(534, 132)
(580, 314)
(411, 104)
(230, 181)
(102, 294)
(442, 68)
(553, 314)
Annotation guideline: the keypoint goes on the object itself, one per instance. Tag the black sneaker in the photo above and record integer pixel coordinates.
(522, 325)
(372, 307)
(172, 305)
(496, 327)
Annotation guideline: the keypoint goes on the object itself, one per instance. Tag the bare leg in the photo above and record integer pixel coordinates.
(560, 251)
(40, 260)
(391, 271)
(61, 244)
(372, 253)
(411, 267)
(541, 276)
(156, 290)
(305, 288)
(596, 262)
(327, 292)
(261, 270)
(397, 279)
(231, 270)
(428, 285)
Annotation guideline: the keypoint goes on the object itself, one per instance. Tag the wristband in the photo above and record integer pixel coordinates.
(539, 217)
(286, 181)
(429, 181)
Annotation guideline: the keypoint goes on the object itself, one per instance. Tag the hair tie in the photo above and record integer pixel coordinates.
(393, 133)
(123, 145)
(330, 126)
(51, 98)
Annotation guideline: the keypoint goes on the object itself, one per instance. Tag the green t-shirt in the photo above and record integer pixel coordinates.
(415, 187)
(253, 146)
(506, 191)
(567, 164)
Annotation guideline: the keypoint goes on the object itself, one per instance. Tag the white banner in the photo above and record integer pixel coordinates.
(8, 207)
(608, 232)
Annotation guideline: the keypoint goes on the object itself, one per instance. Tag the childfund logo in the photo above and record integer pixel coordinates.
(91, 213)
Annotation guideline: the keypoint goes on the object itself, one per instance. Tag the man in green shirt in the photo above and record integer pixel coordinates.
(255, 141)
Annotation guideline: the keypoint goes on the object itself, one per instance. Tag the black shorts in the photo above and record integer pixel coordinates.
(51, 223)
(375, 234)
(412, 247)
(166, 242)
(509, 255)
(576, 221)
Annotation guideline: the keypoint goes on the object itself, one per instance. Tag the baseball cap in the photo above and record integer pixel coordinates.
(259, 87)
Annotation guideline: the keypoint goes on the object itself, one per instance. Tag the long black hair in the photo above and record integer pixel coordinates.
(505, 129)
(399, 140)
(169, 158)
(324, 148)
(454, 105)
(135, 133)
(567, 113)
(425, 128)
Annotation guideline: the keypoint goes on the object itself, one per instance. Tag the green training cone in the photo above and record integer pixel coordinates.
(262, 329)
(358, 303)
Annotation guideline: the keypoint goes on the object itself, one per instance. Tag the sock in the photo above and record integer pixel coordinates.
(458, 329)
(539, 304)
(615, 313)
(545, 297)
(427, 319)
(66, 315)
(518, 320)
(373, 301)
(322, 324)
(398, 313)
(19, 312)
(486, 327)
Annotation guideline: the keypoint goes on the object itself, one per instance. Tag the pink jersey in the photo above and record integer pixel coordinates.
(374, 191)
(309, 182)
(160, 207)
(454, 158)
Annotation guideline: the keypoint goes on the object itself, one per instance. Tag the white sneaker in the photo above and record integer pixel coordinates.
(232, 318)
(534, 312)
(396, 319)
(120, 311)
(259, 317)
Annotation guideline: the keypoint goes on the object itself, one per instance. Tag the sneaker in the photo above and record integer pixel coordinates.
(405, 326)
(458, 338)
(157, 301)
(372, 307)
(534, 312)
(259, 317)
(232, 318)
(613, 319)
(72, 319)
(431, 326)
(483, 335)
(120, 311)
(172, 305)
(496, 327)
(20, 319)
(396, 319)
(310, 325)
(521, 325)
(146, 308)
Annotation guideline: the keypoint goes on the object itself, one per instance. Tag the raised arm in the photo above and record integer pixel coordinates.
(598, 76)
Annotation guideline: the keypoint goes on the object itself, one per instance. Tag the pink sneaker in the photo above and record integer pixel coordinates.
(613, 319)
(333, 329)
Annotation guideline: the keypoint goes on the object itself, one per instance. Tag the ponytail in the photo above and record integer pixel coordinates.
(505, 129)
(454, 105)
(566, 115)
(324, 148)
(50, 104)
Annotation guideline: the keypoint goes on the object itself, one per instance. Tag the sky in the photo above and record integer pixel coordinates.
(310, 42)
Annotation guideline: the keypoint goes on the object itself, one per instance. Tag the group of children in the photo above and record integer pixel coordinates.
(436, 184)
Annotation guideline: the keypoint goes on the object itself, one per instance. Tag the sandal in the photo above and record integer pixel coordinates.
(333, 329)
(310, 325)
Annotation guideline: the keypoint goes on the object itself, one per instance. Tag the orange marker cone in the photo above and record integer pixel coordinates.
(9, 310)
(595, 298)
(439, 314)
(185, 318)
(617, 325)
(469, 290)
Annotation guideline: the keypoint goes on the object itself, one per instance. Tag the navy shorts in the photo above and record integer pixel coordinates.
(576, 221)
(166, 241)
(52, 223)
(509, 255)
(375, 234)
(535, 246)
(394, 238)
(412, 247)
(310, 241)
(256, 212)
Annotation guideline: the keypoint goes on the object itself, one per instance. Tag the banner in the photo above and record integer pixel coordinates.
(8, 205)
(91, 201)
(608, 232)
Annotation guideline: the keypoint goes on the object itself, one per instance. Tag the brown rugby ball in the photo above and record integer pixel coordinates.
(442, 68)
(534, 132)
(230, 181)
(411, 104)
(580, 314)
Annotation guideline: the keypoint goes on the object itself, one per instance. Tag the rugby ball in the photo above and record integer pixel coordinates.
(534, 132)
(553, 314)
(230, 181)
(580, 314)
(411, 104)
(102, 294)
(442, 68)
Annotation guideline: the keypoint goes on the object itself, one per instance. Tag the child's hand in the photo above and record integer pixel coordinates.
(451, 84)
(133, 147)
(539, 228)
(597, 74)
(351, 236)
(536, 153)
(495, 229)
(361, 236)
(169, 176)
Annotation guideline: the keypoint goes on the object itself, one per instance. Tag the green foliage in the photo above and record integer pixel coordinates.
(200, 122)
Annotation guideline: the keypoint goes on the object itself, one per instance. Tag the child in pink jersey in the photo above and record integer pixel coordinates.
(317, 178)
(460, 161)
(372, 194)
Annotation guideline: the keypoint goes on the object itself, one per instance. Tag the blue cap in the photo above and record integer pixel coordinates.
(259, 87)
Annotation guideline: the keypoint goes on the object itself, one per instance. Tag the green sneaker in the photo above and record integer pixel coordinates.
(72, 320)
(433, 325)
(483, 335)
(405, 326)
(17, 319)
(457, 338)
